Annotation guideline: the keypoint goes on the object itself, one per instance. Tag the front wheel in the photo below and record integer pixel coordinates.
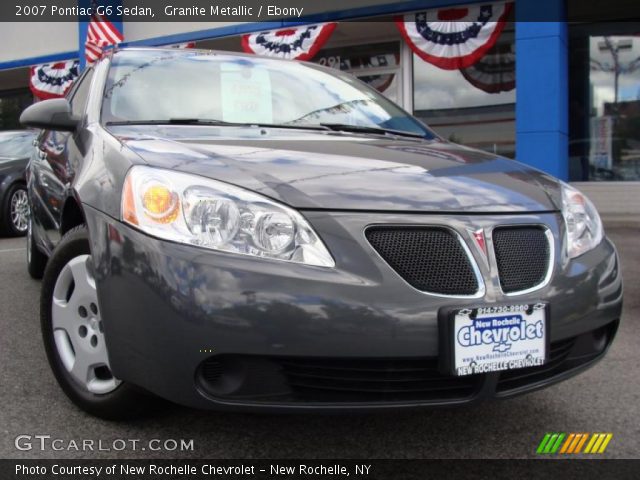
(73, 333)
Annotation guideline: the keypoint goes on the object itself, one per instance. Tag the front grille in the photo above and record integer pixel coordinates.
(373, 380)
(430, 259)
(317, 380)
(522, 255)
(211, 370)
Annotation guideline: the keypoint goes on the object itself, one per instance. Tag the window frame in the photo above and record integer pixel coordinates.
(71, 94)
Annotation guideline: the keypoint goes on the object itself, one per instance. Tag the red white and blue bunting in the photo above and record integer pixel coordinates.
(52, 80)
(295, 43)
(454, 38)
(495, 72)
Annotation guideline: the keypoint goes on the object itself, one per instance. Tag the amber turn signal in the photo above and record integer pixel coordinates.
(128, 204)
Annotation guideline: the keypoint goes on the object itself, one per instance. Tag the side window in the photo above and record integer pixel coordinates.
(80, 93)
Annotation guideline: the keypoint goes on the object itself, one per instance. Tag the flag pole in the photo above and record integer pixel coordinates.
(83, 25)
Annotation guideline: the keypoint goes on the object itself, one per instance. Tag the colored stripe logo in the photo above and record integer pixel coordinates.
(574, 443)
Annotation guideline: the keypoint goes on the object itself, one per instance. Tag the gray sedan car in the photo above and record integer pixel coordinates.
(229, 231)
(15, 149)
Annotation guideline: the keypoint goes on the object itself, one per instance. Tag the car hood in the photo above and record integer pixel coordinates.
(336, 171)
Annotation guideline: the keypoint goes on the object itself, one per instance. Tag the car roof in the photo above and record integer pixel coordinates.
(188, 50)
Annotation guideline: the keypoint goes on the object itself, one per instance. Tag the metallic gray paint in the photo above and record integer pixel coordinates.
(337, 171)
(166, 301)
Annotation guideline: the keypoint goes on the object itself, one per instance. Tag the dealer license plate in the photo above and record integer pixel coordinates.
(494, 338)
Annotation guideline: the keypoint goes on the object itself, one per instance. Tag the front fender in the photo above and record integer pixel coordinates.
(13, 171)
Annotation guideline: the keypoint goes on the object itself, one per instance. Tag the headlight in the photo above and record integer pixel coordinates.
(584, 227)
(215, 215)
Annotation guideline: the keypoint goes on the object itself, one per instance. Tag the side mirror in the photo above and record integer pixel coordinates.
(54, 114)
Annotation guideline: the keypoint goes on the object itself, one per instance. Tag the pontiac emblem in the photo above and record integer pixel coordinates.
(478, 236)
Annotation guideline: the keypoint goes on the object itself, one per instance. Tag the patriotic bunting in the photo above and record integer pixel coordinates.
(454, 38)
(52, 80)
(101, 33)
(495, 72)
(295, 43)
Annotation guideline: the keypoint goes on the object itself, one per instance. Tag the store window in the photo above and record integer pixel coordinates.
(604, 102)
(473, 106)
(377, 64)
(12, 103)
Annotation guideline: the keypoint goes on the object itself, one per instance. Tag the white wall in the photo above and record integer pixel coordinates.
(142, 30)
(21, 40)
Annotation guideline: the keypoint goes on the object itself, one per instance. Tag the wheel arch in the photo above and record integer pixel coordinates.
(72, 215)
(9, 182)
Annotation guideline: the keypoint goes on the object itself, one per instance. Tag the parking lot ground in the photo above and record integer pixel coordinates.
(604, 399)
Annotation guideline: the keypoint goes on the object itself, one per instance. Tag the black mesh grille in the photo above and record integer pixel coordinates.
(316, 380)
(373, 380)
(522, 254)
(430, 259)
(212, 369)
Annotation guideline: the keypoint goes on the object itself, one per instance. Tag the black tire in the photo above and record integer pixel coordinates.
(125, 401)
(36, 260)
(8, 227)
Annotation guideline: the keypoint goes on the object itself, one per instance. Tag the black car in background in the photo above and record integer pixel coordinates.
(15, 148)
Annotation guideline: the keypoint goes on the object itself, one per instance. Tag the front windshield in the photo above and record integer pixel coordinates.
(15, 145)
(147, 85)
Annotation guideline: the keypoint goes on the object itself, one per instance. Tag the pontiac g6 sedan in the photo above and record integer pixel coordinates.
(229, 231)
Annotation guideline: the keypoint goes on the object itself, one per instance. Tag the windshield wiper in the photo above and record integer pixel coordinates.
(345, 127)
(286, 125)
(204, 121)
(339, 127)
(172, 121)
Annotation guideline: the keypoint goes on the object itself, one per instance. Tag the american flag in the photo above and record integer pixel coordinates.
(100, 34)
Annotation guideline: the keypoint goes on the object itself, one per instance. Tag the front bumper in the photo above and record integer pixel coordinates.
(214, 330)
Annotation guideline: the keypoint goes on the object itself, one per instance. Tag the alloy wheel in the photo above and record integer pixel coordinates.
(19, 210)
(77, 328)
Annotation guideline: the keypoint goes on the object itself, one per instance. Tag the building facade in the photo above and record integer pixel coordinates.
(561, 96)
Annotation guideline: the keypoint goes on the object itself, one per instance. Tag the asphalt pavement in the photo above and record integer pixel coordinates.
(606, 398)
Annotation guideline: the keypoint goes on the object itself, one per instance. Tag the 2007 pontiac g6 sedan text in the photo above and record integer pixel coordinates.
(230, 231)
